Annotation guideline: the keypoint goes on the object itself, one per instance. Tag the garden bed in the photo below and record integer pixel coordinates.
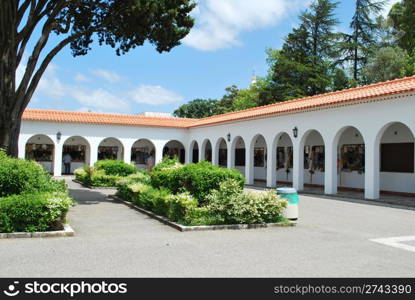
(66, 232)
(185, 228)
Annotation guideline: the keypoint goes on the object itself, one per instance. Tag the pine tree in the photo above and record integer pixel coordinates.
(358, 45)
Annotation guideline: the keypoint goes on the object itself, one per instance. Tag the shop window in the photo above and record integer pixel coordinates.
(352, 158)
(39, 152)
(259, 157)
(208, 155)
(280, 157)
(223, 157)
(397, 157)
(140, 155)
(77, 152)
(107, 152)
(240, 157)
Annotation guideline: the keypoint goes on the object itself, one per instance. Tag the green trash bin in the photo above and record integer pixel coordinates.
(291, 195)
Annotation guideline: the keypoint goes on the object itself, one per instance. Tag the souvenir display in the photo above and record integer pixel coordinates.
(259, 157)
(39, 152)
(352, 158)
(139, 155)
(107, 152)
(77, 152)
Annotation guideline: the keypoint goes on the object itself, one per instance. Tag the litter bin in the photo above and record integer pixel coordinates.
(291, 195)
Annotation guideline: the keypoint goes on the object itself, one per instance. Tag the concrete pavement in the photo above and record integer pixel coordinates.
(331, 239)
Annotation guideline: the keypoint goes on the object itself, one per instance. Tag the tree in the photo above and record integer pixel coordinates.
(121, 24)
(358, 45)
(402, 16)
(226, 104)
(340, 80)
(386, 64)
(302, 67)
(198, 108)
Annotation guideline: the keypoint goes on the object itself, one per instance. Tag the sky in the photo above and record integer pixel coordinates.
(226, 46)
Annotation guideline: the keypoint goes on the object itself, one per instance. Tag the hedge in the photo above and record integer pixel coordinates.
(19, 176)
(198, 179)
(115, 167)
(33, 212)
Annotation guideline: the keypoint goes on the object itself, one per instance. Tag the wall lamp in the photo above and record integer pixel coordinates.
(59, 136)
(295, 132)
(228, 136)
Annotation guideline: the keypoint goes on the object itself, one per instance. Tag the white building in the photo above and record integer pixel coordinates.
(359, 139)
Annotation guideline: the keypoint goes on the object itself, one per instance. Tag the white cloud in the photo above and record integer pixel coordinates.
(154, 95)
(100, 98)
(220, 22)
(106, 75)
(81, 78)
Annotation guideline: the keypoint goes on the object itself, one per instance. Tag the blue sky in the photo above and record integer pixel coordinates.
(227, 44)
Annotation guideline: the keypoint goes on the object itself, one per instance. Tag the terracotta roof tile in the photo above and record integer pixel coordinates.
(397, 86)
(104, 118)
(392, 87)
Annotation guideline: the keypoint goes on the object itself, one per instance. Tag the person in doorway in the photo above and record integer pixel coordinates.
(150, 161)
(67, 162)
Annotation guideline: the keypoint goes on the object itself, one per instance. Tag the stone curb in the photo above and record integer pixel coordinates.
(184, 228)
(66, 232)
(94, 187)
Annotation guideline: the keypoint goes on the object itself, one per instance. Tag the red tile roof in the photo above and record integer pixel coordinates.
(104, 118)
(397, 86)
(350, 96)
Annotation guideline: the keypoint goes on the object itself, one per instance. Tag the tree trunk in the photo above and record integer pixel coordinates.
(9, 132)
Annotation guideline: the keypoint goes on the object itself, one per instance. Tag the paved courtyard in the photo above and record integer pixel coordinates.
(332, 238)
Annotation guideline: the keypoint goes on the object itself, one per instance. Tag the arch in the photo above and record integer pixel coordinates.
(312, 159)
(174, 148)
(79, 150)
(221, 150)
(110, 148)
(143, 154)
(282, 168)
(206, 150)
(194, 152)
(41, 148)
(395, 141)
(258, 159)
(349, 144)
(238, 154)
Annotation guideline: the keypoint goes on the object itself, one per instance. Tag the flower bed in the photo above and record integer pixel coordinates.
(200, 194)
(30, 200)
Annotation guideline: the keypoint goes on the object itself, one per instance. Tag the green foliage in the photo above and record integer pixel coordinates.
(180, 206)
(238, 207)
(167, 163)
(115, 167)
(198, 179)
(198, 108)
(403, 21)
(386, 64)
(33, 212)
(19, 176)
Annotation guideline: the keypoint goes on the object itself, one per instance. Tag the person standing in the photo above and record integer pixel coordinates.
(150, 161)
(67, 162)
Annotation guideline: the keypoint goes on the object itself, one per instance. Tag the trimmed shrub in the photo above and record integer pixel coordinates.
(167, 163)
(115, 167)
(241, 207)
(180, 206)
(19, 176)
(33, 212)
(100, 179)
(198, 179)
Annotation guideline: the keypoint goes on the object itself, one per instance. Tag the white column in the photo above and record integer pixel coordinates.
(188, 154)
(57, 159)
(21, 147)
(330, 167)
(298, 166)
(202, 152)
(215, 155)
(127, 154)
(249, 164)
(372, 169)
(271, 165)
(159, 151)
(231, 156)
(93, 156)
